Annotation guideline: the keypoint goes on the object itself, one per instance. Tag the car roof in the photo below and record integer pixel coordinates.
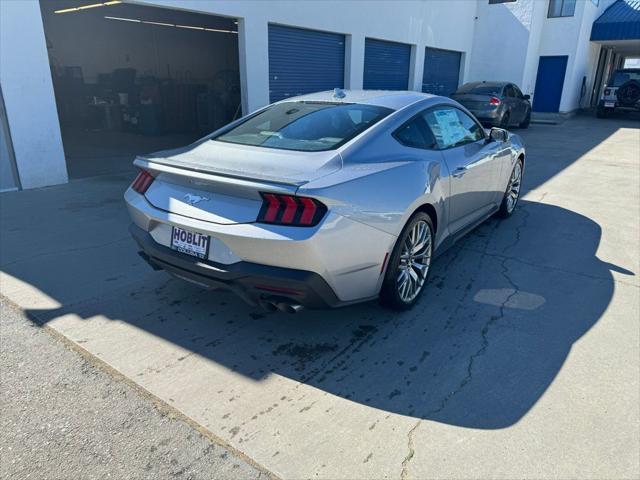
(489, 84)
(392, 99)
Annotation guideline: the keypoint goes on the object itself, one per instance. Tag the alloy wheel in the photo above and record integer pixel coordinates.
(415, 260)
(513, 190)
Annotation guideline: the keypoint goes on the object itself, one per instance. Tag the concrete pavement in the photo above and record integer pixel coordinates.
(64, 418)
(521, 360)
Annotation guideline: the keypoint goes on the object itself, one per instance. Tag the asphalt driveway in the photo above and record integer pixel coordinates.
(522, 359)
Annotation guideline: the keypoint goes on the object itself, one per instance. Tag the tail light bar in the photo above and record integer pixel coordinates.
(290, 210)
(142, 182)
(494, 101)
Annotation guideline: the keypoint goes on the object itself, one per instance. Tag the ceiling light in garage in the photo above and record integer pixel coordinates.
(190, 27)
(221, 31)
(158, 23)
(124, 19)
(86, 7)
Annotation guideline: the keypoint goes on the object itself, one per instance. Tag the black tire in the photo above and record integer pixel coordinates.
(527, 120)
(504, 121)
(506, 209)
(628, 93)
(389, 295)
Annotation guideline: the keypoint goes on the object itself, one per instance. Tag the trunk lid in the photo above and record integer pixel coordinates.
(251, 162)
(221, 183)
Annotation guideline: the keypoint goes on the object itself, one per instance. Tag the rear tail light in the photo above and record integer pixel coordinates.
(494, 101)
(290, 210)
(142, 182)
(607, 92)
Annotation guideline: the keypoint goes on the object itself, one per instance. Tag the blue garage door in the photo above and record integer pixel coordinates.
(304, 61)
(386, 65)
(441, 71)
(549, 83)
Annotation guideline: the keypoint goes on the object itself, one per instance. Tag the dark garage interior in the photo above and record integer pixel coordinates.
(132, 79)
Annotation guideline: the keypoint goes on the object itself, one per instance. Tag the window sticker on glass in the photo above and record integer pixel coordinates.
(451, 129)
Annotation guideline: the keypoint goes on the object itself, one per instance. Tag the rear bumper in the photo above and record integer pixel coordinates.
(328, 249)
(492, 117)
(250, 281)
(614, 105)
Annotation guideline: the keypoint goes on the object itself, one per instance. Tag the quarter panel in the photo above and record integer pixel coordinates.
(384, 195)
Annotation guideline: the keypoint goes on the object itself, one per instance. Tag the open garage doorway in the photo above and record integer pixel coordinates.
(132, 79)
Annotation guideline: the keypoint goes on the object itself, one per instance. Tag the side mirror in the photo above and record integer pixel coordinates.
(527, 97)
(498, 135)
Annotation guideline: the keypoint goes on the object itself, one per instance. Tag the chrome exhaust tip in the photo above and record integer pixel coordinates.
(289, 307)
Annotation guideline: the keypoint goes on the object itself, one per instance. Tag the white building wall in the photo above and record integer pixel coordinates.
(442, 24)
(501, 40)
(560, 37)
(497, 41)
(510, 38)
(28, 95)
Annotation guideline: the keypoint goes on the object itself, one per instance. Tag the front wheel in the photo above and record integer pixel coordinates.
(512, 194)
(527, 120)
(409, 264)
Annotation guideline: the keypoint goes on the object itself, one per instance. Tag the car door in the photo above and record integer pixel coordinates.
(512, 104)
(472, 161)
(522, 104)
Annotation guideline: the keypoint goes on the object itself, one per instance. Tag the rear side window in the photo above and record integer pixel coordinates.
(305, 126)
(415, 133)
(481, 89)
(509, 91)
(517, 91)
(452, 127)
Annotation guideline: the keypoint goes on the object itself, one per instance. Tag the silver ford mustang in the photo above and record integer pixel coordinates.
(326, 199)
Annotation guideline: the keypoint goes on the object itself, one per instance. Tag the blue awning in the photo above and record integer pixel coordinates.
(621, 21)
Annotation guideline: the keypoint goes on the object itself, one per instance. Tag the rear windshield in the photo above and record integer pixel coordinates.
(481, 89)
(620, 77)
(305, 126)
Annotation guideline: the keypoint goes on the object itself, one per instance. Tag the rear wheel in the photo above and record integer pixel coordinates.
(409, 264)
(512, 194)
(527, 120)
(504, 122)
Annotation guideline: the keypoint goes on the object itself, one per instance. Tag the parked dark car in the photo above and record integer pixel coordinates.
(621, 93)
(497, 104)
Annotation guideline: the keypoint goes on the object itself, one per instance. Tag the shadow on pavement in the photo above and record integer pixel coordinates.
(488, 337)
(502, 309)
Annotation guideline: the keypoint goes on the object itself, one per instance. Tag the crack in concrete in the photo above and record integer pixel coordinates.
(483, 346)
(404, 472)
(492, 320)
(411, 447)
(549, 267)
(525, 220)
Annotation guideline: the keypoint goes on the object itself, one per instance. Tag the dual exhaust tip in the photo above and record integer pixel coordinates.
(285, 307)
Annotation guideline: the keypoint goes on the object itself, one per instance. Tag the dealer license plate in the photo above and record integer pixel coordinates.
(191, 243)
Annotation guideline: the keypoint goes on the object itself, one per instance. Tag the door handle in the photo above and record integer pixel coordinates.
(458, 172)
